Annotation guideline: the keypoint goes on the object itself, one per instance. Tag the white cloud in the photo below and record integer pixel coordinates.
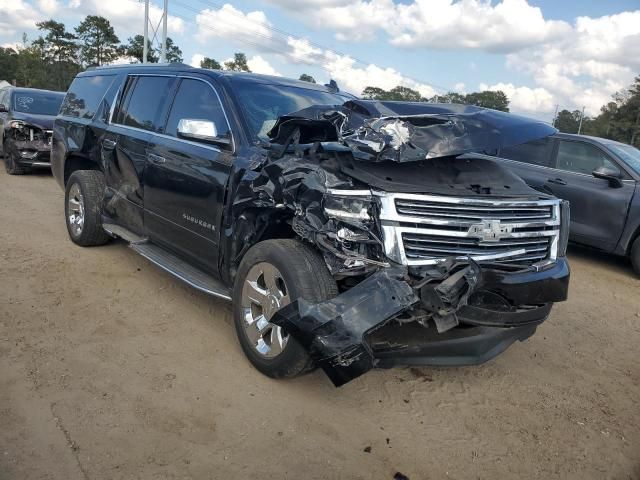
(196, 58)
(257, 64)
(460, 87)
(17, 15)
(524, 99)
(50, 7)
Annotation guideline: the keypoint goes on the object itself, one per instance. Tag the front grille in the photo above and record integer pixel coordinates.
(426, 229)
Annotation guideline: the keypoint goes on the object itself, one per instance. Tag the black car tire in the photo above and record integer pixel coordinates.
(10, 164)
(305, 275)
(635, 255)
(91, 186)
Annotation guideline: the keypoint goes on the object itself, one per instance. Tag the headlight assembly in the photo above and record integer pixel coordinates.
(17, 124)
(348, 205)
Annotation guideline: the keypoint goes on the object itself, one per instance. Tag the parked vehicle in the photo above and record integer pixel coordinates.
(349, 234)
(26, 121)
(598, 177)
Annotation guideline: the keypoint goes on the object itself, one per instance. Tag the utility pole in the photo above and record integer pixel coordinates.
(163, 48)
(555, 115)
(145, 41)
(581, 118)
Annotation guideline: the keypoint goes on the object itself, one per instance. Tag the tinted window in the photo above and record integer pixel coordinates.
(581, 157)
(196, 100)
(144, 102)
(38, 103)
(262, 103)
(84, 96)
(537, 152)
(631, 155)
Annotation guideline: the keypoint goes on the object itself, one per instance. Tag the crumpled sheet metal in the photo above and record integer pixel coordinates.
(406, 132)
(333, 331)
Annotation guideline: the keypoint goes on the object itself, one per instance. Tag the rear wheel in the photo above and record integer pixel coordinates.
(82, 201)
(271, 275)
(635, 255)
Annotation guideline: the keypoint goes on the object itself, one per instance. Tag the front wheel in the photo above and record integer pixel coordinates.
(271, 275)
(82, 208)
(635, 255)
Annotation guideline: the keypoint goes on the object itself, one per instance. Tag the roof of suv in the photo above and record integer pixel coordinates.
(589, 138)
(241, 76)
(27, 90)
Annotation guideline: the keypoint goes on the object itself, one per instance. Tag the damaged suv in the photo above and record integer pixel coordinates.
(26, 119)
(348, 234)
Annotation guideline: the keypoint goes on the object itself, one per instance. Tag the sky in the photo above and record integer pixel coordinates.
(541, 53)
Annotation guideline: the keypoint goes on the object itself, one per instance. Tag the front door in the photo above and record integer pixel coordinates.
(185, 179)
(598, 210)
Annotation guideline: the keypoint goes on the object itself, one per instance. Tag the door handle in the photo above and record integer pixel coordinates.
(156, 158)
(109, 144)
(557, 181)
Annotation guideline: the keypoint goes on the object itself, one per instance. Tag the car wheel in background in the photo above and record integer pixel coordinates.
(271, 275)
(11, 165)
(82, 208)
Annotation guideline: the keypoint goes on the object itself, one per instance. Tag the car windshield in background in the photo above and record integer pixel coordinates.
(630, 155)
(263, 104)
(37, 103)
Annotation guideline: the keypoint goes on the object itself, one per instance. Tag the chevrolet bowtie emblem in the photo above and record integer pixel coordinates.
(489, 230)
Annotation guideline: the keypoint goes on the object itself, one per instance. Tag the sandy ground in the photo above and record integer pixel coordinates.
(112, 369)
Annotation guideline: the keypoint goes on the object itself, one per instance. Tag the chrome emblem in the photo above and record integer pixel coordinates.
(489, 230)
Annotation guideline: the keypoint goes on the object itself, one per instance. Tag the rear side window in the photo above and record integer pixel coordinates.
(196, 100)
(537, 152)
(144, 101)
(84, 96)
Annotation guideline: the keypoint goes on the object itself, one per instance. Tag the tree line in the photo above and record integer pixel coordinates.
(53, 59)
(618, 120)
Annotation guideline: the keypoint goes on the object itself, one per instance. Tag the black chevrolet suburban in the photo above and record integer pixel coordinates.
(348, 234)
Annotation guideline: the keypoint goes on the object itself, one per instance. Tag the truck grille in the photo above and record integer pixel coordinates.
(426, 229)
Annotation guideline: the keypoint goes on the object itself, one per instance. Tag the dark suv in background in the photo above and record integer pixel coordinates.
(349, 234)
(26, 122)
(600, 179)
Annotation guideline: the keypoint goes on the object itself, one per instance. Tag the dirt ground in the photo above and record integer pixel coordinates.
(112, 369)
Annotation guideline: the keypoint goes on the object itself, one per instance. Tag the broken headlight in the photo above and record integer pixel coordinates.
(348, 205)
(17, 124)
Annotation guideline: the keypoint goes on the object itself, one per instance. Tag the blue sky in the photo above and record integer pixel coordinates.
(541, 53)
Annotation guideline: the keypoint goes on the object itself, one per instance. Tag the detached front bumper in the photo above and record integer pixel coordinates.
(353, 332)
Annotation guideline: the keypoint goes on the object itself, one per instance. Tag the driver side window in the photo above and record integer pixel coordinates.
(579, 157)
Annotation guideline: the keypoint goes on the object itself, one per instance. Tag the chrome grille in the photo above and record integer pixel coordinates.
(426, 229)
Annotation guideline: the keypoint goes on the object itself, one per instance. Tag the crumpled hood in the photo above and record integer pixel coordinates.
(408, 131)
(45, 122)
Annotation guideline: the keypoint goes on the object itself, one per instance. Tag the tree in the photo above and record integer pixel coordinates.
(173, 54)
(238, 64)
(567, 121)
(99, 42)
(59, 51)
(210, 63)
(135, 49)
(375, 93)
(399, 93)
(307, 78)
(497, 100)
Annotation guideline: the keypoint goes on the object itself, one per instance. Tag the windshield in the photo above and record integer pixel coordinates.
(262, 104)
(38, 103)
(629, 154)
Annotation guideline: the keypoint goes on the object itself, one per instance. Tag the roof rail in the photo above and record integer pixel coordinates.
(121, 65)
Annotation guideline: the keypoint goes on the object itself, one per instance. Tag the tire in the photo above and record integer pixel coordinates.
(305, 275)
(635, 256)
(11, 166)
(83, 198)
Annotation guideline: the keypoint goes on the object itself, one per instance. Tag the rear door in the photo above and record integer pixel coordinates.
(598, 210)
(139, 113)
(532, 162)
(185, 179)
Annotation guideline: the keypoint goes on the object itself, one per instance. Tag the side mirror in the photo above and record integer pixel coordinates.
(201, 131)
(3, 108)
(613, 175)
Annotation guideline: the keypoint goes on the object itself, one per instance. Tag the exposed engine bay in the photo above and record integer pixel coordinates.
(414, 226)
